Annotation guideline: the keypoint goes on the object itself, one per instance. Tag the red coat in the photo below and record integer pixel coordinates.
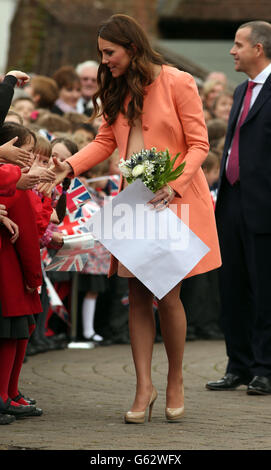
(9, 176)
(20, 263)
(43, 209)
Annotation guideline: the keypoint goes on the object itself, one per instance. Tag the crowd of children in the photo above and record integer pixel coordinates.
(39, 123)
(19, 255)
(30, 219)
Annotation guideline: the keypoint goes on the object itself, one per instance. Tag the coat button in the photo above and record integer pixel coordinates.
(145, 128)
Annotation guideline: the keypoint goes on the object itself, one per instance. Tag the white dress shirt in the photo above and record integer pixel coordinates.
(259, 80)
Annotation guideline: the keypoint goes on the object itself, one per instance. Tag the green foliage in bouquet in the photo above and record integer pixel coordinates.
(155, 169)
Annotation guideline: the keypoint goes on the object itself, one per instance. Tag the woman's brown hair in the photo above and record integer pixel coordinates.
(126, 32)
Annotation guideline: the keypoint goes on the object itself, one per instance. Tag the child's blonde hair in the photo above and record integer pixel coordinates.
(43, 146)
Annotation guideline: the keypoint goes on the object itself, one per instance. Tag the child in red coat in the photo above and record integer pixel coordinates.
(42, 203)
(20, 274)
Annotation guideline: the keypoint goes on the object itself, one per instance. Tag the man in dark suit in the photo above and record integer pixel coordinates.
(243, 213)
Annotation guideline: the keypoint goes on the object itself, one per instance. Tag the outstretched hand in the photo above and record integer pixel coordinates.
(27, 181)
(14, 154)
(46, 189)
(45, 174)
(61, 170)
(22, 77)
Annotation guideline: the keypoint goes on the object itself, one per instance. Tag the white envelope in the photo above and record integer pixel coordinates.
(156, 246)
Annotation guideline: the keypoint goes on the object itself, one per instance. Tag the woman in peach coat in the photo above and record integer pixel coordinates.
(146, 103)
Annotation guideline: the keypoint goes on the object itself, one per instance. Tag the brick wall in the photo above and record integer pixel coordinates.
(46, 34)
(232, 10)
(144, 11)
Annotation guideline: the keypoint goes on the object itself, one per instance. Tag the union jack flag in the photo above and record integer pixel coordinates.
(77, 195)
(62, 312)
(125, 300)
(68, 263)
(45, 257)
(71, 224)
(89, 209)
(56, 303)
(213, 196)
(72, 258)
(114, 181)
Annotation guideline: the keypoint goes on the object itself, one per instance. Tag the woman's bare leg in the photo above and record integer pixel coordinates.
(142, 334)
(173, 329)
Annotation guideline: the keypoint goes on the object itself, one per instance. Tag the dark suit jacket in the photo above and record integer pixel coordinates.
(6, 95)
(254, 159)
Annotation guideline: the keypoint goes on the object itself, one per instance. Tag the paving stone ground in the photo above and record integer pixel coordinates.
(84, 394)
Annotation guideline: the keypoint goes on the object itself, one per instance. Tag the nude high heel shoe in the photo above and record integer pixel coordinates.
(174, 414)
(138, 417)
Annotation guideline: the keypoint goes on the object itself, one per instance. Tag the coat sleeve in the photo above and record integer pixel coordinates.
(6, 95)
(20, 210)
(190, 112)
(97, 151)
(43, 210)
(9, 176)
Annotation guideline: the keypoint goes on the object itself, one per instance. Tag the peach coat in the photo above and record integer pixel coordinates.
(172, 118)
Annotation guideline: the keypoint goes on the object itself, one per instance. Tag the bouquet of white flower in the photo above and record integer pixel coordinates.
(155, 169)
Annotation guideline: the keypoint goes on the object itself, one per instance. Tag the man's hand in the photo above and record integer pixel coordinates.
(14, 154)
(22, 77)
(27, 181)
(11, 226)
